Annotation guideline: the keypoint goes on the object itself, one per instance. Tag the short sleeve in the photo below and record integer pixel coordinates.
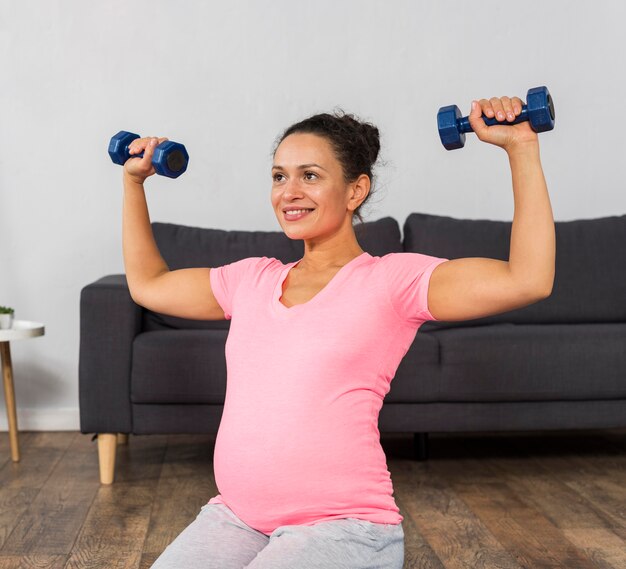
(408, 276)
(226, 279)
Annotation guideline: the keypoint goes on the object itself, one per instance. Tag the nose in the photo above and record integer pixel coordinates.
(292, 189)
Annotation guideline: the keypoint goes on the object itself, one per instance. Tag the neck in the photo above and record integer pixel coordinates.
(322, 258)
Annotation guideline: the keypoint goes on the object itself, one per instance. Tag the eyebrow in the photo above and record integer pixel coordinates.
(301, 167)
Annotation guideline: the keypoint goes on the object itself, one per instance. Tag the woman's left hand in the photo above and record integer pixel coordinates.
(505, 110)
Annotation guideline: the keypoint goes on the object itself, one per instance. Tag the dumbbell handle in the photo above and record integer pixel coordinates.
(140, 155)
(127, 151)
(176, 164)
(465, 126)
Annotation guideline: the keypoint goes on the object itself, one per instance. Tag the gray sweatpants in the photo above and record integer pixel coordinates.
(218, 539)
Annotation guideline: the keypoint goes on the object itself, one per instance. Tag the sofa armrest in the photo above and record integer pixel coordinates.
(109, 322)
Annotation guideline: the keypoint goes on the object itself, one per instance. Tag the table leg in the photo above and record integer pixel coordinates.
(9, 396)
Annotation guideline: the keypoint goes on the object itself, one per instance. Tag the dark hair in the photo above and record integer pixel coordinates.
(356, 144)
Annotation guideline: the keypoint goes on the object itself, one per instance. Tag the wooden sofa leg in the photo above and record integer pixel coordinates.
(122, 438)
(420, 446)
(107, 444)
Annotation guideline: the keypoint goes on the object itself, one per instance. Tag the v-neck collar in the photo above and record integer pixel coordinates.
(278, 290)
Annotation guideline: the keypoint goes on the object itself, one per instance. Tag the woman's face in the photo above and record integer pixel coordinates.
(307, 175)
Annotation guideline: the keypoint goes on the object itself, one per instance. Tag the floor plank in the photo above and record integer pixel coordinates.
(185, 485)
(117, 522)
(563, 506)
(596, 471)
(33, 562)
(115, 528)
(55, 516)
(417, 550)
(21, 482)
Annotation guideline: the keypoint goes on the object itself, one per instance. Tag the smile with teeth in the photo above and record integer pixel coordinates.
(296, 214)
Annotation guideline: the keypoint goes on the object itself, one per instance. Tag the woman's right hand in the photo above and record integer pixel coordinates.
(138, 169)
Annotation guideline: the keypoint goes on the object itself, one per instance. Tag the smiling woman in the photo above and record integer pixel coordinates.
(298, 453)
(280, 459)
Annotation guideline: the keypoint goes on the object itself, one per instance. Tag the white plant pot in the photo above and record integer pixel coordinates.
(6, 321)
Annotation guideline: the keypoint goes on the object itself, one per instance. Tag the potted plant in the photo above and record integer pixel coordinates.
(6, 317)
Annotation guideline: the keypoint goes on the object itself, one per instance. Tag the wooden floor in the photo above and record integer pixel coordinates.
(532, 500)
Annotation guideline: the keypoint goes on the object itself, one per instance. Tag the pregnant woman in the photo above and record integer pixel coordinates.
(314, 344)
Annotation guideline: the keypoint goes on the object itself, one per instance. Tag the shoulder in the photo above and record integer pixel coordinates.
(407, 277)
(252, 264)
(249, 269)
(406, 262)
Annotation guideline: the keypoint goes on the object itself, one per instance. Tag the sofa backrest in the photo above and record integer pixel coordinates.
(590, 278)
(182, 246)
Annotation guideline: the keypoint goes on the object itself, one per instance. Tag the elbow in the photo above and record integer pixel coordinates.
(549, 290)
(543, 287)
(545, 294)
(549, 286)
(137, 289)
(134, 295)
(544, 291)
(134, 298)
(530, 295)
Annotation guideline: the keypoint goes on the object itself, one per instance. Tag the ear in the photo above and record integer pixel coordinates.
(358, 191)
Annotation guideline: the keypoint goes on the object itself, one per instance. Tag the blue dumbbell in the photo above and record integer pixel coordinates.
(538, 110)
(169, 159)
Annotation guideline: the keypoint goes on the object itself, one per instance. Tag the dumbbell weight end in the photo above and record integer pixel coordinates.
(118, 147)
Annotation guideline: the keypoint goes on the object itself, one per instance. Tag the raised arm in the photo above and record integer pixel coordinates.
(185, 293)
(475, 287)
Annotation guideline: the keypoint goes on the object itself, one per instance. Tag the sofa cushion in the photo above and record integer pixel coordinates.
(503, 362)
(189, 366)
(514, 362)
(590, 279)
(179, 366)
(182, 246)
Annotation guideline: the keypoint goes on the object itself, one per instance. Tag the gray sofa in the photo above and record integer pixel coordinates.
(557, 364)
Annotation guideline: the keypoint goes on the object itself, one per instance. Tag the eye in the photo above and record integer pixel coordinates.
(311, 173)
(275, 177)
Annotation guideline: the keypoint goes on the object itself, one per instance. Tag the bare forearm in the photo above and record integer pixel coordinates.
(533, 239)
(142, 259)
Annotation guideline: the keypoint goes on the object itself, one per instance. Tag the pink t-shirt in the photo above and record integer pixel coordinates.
(298, 441)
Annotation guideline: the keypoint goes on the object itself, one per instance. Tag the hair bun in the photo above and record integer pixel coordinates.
(369, 133)
(372, 136)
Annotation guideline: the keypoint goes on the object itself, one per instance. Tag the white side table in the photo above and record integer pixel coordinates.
(21, 330)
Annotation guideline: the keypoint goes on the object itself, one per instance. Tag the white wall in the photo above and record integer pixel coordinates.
(225, 79)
